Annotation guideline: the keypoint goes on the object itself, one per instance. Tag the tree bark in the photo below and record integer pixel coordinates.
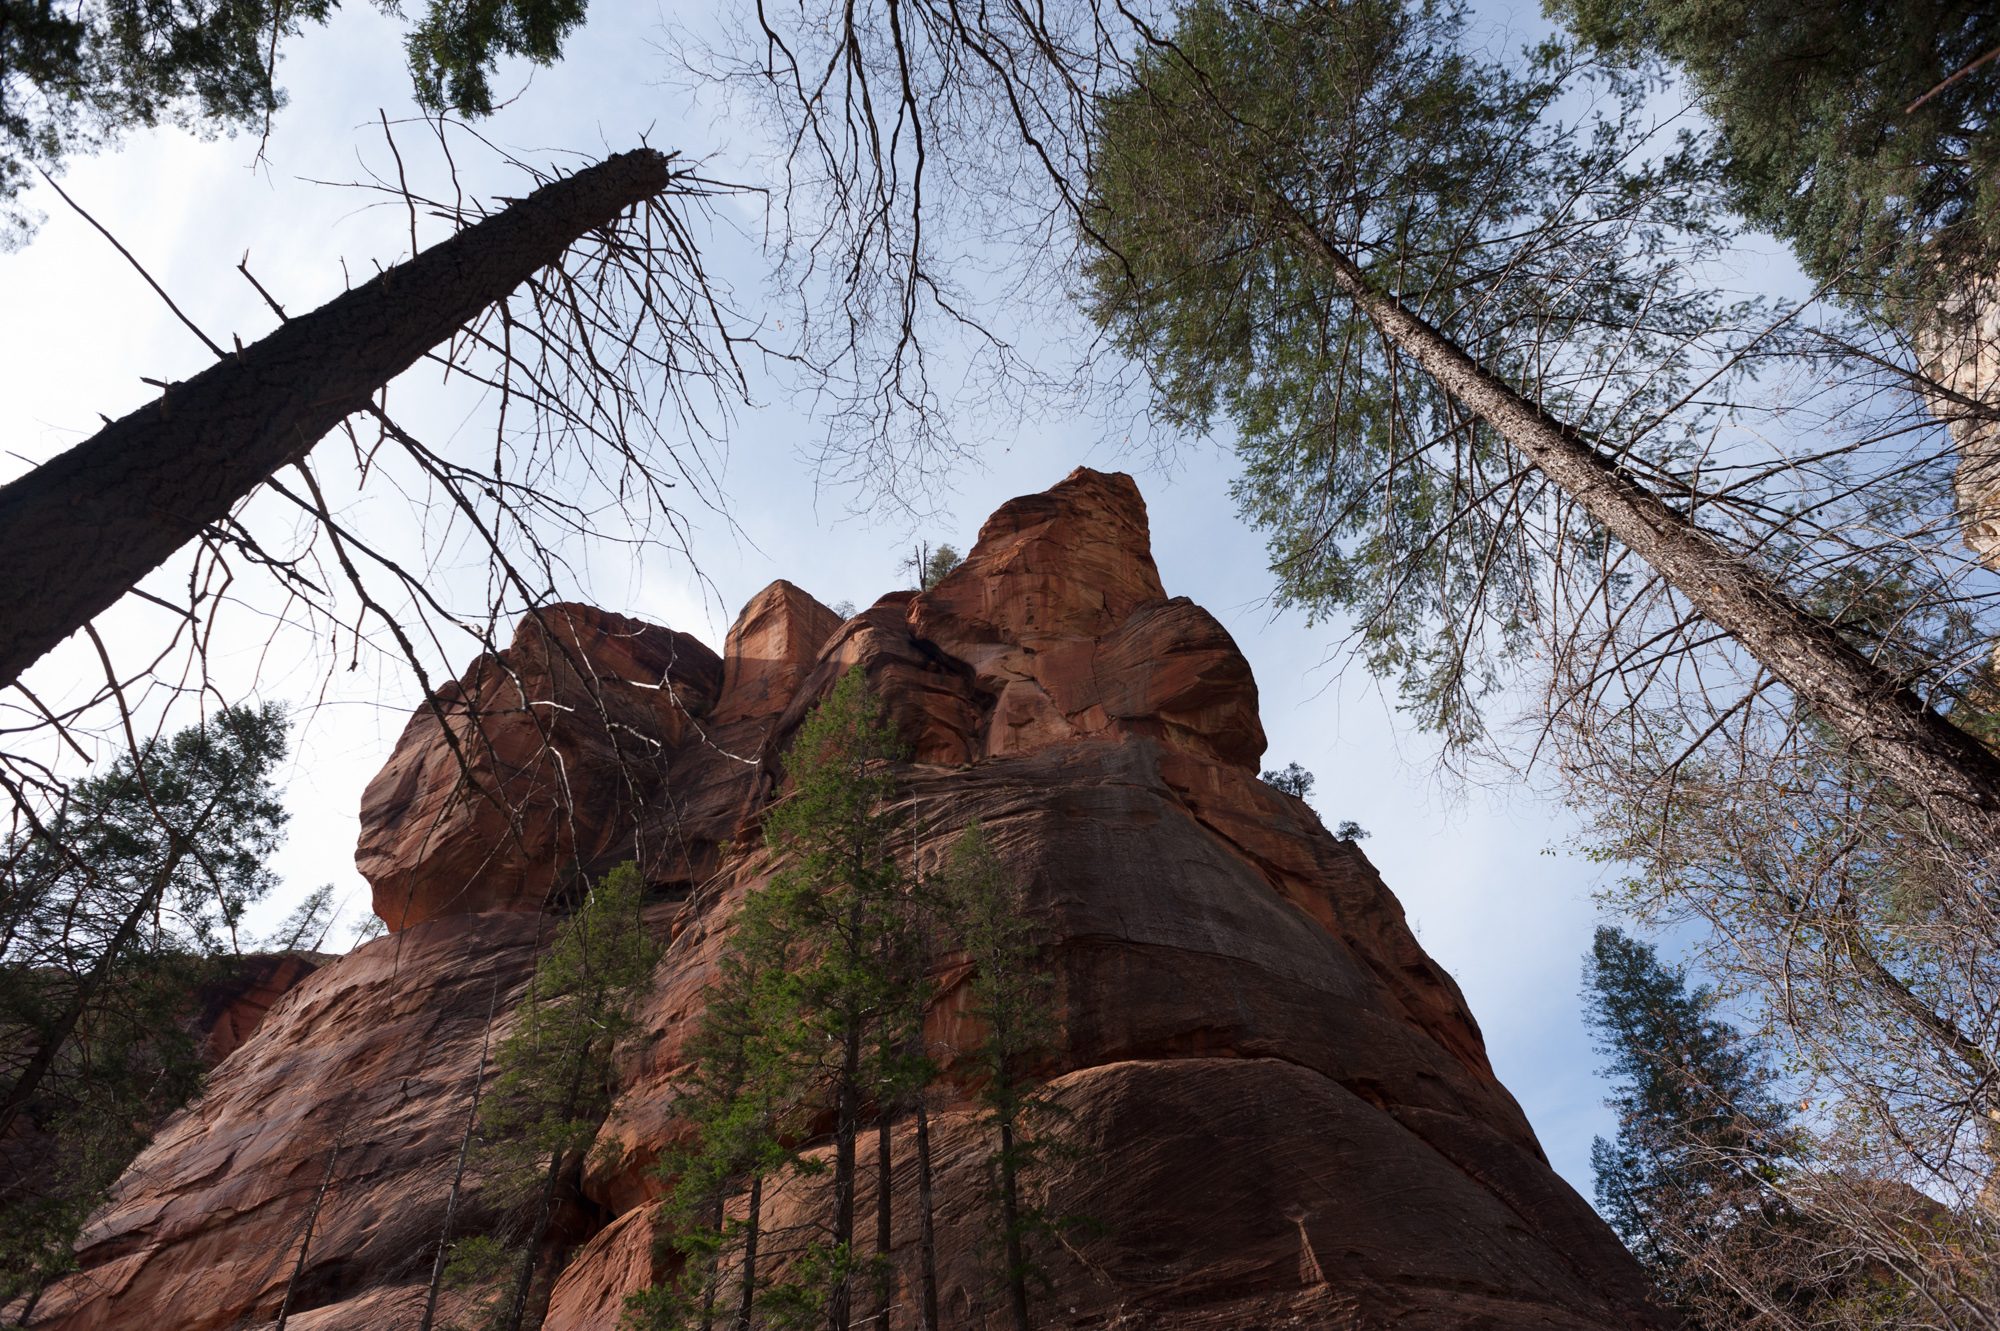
(749, 1294)
(926, 1231)
(884, 1217)
(1953, 777)
(840, 1304)
(1010, 1219)
(524, 1276)
(83, 528)
(711, 1281)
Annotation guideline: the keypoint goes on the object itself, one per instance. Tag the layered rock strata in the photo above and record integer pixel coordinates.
(1281, 1111)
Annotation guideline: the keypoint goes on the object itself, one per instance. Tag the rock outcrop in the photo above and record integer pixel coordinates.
(1281, 1111)
(1959, 351)
(531, 768)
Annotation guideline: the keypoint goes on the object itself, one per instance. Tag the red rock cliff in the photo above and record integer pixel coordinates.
(1283, 1111)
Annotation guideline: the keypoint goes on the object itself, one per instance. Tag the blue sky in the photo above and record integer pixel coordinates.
(1484, 872)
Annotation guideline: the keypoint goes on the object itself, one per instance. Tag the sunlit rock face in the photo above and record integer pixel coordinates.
(531, 764)
(1281, 1111)
(1960, 352)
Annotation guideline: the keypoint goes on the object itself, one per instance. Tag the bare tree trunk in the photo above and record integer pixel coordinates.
(305, 1244)
(749, 1294)
(524, 1278)
(1954, 778)
(884, 1217)
(1010, 1218)
(83, 528)
(458, 1172)
(926, 1231)
(840, 1304)
(711, 1281)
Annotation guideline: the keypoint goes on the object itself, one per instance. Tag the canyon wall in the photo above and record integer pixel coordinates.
(1279, 1109)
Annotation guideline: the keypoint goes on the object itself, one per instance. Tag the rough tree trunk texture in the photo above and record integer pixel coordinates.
(80, 530)
(524, 1275)
(1953, 778)
(840, 1306)
(749, 1290)
(1010, 1221)
(926, 1222)
(884, 1217)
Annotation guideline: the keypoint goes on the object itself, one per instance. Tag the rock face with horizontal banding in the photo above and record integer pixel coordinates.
(1281, 1111)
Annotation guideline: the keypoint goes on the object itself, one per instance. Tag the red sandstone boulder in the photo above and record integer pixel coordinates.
(771, 647)
(545, 756)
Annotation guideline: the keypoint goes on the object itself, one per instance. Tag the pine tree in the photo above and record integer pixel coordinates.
(819, 998)
(1688, 1181)
(741, 1100)
(1841, 127)
(1335, 224)
(1011, 999)
(842, 904)
(80, 76)
(111, 913)
(552, 1081)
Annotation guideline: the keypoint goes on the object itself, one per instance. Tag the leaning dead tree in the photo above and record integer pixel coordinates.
(583, 327)
(80, 531)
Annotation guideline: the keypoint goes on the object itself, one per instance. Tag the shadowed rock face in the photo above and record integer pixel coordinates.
(1282, 1112)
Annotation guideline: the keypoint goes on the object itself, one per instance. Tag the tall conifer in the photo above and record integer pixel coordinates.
(841, 895)
(552, 1083)
(1011, 999)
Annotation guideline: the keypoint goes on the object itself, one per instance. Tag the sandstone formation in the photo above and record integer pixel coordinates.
(233, 1006)
(530, 766)
(1960, 353)
(1281, 1111)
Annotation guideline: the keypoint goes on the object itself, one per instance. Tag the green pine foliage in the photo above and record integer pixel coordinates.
(819, 990)
(1818, 137)
(930, 567)
(818, 1002)
(1689, 1181)
(842, 904)
(1293, 779)
(742, 1100)
(1013, 1001)
(135, 1061)
(553, 1085)
(1539, 245)
(458, 45)
(78, 76)
(112, 912)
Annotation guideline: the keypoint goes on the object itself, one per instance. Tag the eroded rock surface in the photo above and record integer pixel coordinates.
(1282, 1111)
(532, 764)
(1960, 352)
